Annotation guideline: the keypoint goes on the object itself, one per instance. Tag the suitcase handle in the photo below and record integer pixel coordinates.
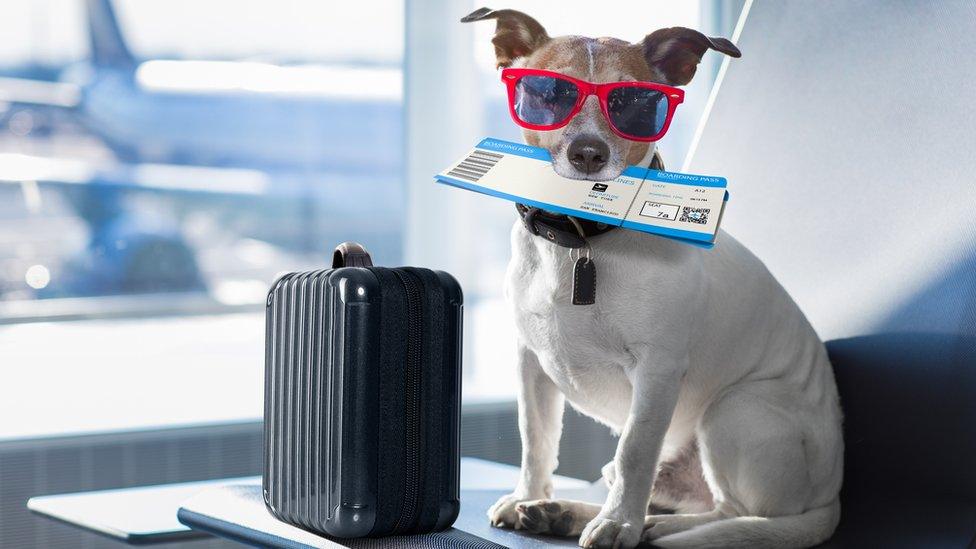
(351, 254)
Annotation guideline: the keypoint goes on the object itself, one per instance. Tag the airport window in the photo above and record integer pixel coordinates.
(161, 162)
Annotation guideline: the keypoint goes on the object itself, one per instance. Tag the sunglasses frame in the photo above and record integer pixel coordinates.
(511, 77)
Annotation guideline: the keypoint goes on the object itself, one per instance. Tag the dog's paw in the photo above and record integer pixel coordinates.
(655, 528)
(547, 517)
(606, 533)
(658, 526)
(503, 515)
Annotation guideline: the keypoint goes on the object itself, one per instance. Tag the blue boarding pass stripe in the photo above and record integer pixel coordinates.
(698, 243)
(636, 172)
(687, 179)
(706, 245)
(534, 203)
(667, 231)
(518, 149)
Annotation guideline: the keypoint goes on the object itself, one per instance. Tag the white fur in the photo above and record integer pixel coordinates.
(589, 54)
(683, 345)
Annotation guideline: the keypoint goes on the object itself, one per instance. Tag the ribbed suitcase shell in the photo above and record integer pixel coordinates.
(334, 456)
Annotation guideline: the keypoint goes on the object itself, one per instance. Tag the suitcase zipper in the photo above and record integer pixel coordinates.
(411, 493)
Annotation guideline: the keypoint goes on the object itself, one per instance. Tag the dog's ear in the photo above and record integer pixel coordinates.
(676, 52)
(516, 34)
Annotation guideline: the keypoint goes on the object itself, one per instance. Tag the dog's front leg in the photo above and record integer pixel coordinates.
(540, 413)
(621, 519)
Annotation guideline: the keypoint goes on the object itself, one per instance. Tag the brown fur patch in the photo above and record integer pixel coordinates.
(680, 483)
(613, 60)
(516, 34)
(676, 52)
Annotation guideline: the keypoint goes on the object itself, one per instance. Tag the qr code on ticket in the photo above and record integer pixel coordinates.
(694, 215)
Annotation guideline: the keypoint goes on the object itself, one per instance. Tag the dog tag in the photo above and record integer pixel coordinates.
(584, 281)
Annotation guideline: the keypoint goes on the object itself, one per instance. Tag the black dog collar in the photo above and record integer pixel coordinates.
(558, 228)
(564, 230)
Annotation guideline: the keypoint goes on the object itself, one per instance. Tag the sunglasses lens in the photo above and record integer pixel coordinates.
(544, 100)
(640, 112)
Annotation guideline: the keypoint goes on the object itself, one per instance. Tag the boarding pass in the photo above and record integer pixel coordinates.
(676, 205)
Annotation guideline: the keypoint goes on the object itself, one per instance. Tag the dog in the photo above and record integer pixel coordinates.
(719, 387)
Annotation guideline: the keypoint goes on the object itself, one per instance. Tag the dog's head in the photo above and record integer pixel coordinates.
(587, 148)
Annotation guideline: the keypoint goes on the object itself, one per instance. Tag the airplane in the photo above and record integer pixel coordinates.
(323, 142)
(193, 111)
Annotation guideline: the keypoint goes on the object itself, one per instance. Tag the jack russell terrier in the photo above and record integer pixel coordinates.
(720, 389)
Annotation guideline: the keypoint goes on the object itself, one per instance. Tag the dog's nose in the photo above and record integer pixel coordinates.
(588, 154)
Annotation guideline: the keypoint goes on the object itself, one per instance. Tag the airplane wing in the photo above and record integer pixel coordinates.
(39, 92)
(17, 167)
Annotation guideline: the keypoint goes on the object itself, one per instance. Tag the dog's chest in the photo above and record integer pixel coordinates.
(575, 343)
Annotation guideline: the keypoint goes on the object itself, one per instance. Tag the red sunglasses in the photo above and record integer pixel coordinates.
(546, 100)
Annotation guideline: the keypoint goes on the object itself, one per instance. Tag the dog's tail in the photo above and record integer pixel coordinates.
(803, 530)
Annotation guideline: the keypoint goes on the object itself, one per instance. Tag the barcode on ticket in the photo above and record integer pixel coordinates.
(476, 165)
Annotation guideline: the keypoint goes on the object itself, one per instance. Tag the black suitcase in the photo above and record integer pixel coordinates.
(362, 398)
